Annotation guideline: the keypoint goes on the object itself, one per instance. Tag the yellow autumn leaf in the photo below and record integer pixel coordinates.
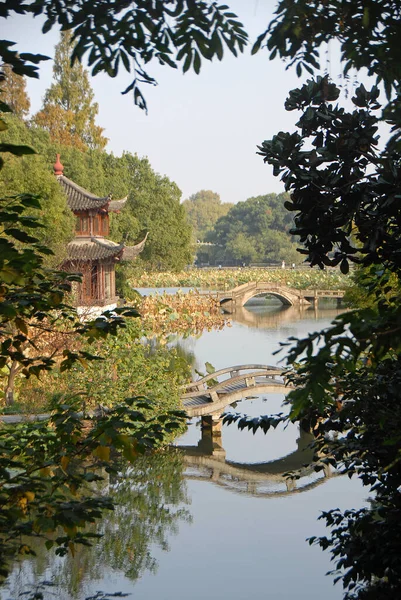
(102, 452)
(70, 531)
(83, 362)
(22, 504)
(65, 460)
(46, 472)
(22, 326)
(30, 496)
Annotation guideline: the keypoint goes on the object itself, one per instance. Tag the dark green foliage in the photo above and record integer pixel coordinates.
(345, 197)
(337, 201)
(32, 172)
(47, 469)
(368, 32)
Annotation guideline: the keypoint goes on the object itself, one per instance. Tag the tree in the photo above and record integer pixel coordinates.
(69, 110)
(44, 466)
(13, 92)
(344, 193)
(32, 172)
(153, 206)
(203, 209)
(256, 230)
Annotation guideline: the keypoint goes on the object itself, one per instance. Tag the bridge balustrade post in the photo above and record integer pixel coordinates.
(251, 487)
(214, 396)
(215, 475)
(327, 471)
(291, 484)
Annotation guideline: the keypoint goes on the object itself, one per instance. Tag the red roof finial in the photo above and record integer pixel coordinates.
(58, 167)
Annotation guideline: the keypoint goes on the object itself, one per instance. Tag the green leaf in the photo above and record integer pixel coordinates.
(17, 149)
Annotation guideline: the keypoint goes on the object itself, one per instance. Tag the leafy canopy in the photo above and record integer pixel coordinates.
(69, 110)
(345, 195)
(256, 230)
(129, 35)
(13, 92)
(203, 209)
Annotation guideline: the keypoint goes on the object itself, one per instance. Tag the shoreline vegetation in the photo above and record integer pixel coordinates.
(137, 362)
(181, 313)
(162, 316)
(227, 278)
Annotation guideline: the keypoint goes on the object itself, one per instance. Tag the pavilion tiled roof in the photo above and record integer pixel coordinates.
(131, 252)
(90, 249)
(80, 199)
(117, 205)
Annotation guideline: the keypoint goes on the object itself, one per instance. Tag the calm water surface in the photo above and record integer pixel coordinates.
(194, 524)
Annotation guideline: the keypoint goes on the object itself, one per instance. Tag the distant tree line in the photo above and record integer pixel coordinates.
(254, 231)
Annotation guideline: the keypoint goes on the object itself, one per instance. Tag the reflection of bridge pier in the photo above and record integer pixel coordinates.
(211, 440)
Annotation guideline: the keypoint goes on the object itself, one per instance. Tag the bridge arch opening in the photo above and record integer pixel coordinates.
(268, 298)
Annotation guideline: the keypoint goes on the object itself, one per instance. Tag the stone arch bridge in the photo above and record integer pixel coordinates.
(238, 296)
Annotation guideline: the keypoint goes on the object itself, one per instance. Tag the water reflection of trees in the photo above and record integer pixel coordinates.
(150, 500)
(147, 512)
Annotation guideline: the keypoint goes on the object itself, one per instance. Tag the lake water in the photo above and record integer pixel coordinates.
(198, 524)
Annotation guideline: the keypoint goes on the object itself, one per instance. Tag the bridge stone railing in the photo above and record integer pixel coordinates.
(239, 295)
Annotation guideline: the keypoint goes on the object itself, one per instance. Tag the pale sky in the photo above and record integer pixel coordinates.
(201, 130)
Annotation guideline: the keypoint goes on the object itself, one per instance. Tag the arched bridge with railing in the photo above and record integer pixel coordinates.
(240, 295)
(209, 396)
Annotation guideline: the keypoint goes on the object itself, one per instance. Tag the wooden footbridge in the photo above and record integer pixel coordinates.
(209, 396)
(240, 295)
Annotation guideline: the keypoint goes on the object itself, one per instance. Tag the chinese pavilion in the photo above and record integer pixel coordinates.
(90, 252)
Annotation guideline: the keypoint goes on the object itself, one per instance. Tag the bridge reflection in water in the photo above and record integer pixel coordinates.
(277, 317)
(207, 460)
